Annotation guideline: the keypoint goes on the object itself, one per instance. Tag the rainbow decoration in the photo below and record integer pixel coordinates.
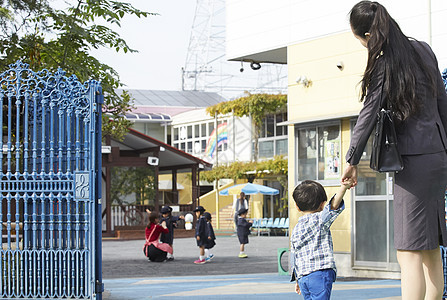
(222, 137)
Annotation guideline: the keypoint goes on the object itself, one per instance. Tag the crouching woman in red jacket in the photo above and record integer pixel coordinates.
(153, 249)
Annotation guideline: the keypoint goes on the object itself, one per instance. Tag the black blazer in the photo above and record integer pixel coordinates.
(422, 133)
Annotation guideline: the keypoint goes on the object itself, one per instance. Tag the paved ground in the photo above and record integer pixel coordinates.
(249, 286)
(128, 258)
(129, 276)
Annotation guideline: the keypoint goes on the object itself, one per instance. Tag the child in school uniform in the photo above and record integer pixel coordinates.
(211, 238)
(243, 230)
(200, 234)
(171, 223)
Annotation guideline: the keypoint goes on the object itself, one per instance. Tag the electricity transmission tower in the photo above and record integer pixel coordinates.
(206, 68)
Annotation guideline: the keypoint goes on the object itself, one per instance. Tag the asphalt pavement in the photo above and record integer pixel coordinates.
(129, 276)
(125, 259)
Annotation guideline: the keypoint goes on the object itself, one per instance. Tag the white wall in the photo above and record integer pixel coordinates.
(255, 26)
(239, 135)
(154, 130)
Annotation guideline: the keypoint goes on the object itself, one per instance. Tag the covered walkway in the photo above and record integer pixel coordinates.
(140, 150)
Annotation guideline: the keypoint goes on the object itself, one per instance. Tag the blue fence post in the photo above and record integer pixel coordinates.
(99, 286)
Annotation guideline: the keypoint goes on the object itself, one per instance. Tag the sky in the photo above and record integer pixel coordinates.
(162, 42)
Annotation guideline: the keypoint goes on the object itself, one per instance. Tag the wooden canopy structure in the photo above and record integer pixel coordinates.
(140, 150)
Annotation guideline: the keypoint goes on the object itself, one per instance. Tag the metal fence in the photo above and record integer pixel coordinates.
(49, 185)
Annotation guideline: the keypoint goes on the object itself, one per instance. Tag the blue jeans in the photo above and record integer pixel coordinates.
(317, 285)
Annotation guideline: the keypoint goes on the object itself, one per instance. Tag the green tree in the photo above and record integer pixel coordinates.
(127, 181)
(46, 36)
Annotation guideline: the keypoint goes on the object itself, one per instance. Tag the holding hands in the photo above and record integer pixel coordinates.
(350, 173)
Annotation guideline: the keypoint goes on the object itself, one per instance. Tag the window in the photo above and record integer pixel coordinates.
(319, 152)
(281, 147)
(270, 126)
(193, 138)
(266, 149)
(374, 232)
(272, 139)
(196, 131)
(203, 130)
(189, 132)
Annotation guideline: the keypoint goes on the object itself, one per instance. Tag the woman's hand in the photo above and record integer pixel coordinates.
(350, 173)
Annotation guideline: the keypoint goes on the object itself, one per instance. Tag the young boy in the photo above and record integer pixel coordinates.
(200, 233)
(313, 265)
(171, 223)
(211, 237)
(243, 230)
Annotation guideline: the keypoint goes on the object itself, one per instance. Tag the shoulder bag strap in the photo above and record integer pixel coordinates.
(150, 235)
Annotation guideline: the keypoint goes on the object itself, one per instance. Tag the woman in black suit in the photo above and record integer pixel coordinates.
(405, 72)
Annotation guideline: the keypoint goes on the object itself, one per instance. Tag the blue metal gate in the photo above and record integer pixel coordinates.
(49, 186)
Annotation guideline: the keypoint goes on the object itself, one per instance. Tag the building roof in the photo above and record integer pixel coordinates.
(162, 98)
(169, 157)
(147, 117)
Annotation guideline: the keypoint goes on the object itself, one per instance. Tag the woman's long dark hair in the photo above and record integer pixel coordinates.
(152, 218)
(401, 61)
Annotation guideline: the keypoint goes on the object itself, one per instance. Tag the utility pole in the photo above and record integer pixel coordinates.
(217, 181)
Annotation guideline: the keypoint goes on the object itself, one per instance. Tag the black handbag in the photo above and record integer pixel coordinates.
(385, 156)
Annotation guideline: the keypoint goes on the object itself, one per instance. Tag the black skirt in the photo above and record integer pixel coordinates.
(155, 254)
(419, 202)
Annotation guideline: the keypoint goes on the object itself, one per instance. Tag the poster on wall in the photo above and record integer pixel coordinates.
(332, 159)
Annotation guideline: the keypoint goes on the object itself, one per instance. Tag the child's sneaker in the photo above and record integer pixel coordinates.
(209, 258)
(243, 255)
(200, 261)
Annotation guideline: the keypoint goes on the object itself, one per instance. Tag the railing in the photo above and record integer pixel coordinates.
(134, 215)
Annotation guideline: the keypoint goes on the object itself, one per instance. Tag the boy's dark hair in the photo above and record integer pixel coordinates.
(309, 195)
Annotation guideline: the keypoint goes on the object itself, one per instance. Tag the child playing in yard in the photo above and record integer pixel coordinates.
(313, 264)
(200, 233)
(243, 230)
(171, 223)
(211, 238)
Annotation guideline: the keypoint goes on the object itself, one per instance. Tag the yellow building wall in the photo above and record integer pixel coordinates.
(332, 92)
(332, 95)
(184, 179)
(209, 201)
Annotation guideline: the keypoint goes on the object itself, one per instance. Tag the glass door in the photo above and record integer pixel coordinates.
(373, 238)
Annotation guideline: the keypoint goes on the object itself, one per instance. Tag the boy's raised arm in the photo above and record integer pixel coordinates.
(345, 185)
